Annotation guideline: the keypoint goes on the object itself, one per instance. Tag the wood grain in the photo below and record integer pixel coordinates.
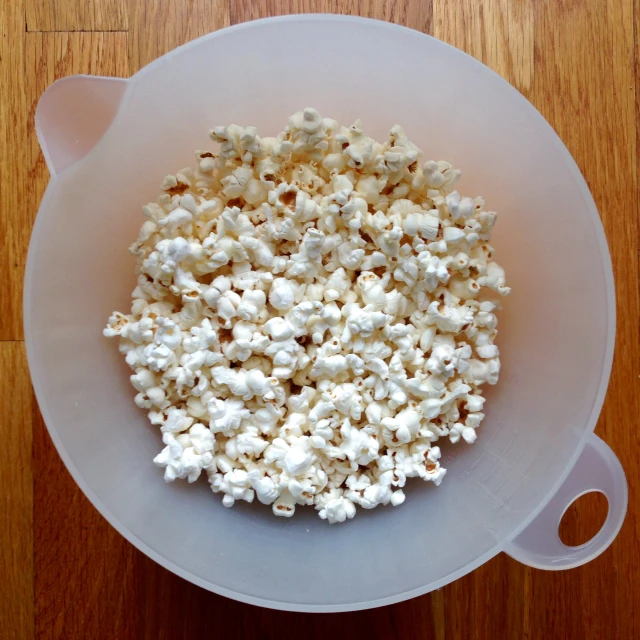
(157, 26)
(15, 221)
(585, 86)
(51, 56)
(16, 493)
(577, 61)
(84, 570)
(76, 15)
(499, 33)
(416, 14)
(54, 55)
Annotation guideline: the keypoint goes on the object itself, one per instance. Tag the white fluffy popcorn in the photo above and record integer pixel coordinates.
(311, 316)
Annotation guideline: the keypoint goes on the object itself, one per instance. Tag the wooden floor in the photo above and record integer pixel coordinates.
(65, 573)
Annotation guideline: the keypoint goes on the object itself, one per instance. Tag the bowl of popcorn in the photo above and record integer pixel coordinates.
(272, 361)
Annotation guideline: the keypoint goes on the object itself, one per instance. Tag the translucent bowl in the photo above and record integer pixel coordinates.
(108, 144)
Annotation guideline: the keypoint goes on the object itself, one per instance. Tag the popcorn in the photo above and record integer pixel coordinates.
(337, 509)
(282, 294)
(311, 316)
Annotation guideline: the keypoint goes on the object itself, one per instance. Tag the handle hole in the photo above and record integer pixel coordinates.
(583, 518)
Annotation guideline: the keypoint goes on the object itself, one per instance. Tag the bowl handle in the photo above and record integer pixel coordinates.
(597, 469)
(73, 114)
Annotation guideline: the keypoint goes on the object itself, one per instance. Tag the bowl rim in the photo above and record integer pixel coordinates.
(605, 256)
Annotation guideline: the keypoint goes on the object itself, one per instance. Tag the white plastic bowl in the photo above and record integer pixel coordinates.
(108, 144)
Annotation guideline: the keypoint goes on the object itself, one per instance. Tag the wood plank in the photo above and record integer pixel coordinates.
(411, 13)
(161, 595)
(499, 33)
(74, 544)
(76, 15)
(157, 26)
(584, 86)
(16, 495)
(15, 217)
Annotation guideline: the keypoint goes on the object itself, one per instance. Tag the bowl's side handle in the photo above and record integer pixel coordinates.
(597, 469)
(73, 114)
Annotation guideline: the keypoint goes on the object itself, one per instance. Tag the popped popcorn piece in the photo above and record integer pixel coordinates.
(186, 455)
(311, 317)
